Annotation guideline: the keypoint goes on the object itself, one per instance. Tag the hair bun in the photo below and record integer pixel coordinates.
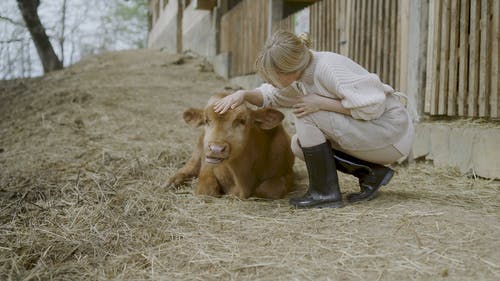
(305, 39)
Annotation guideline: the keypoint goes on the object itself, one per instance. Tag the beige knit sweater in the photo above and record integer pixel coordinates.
(335, 76)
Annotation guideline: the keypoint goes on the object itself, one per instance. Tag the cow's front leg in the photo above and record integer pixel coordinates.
(244, 185)
(207, 183)
(192, 167)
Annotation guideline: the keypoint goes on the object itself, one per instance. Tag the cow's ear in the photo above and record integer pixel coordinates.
(267, 118)
(194, 117)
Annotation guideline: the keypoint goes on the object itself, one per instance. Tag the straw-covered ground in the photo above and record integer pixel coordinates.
(85, 154)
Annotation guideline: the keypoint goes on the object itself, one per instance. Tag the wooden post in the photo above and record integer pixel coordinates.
(484, 59)
(445, 54)
(180, 11)
(403, 44)
(380, 22)
(463, 70)
(433, 47)
(495, 81)
(416, 57)
(473, 60)
(385, 53)
(453, 65)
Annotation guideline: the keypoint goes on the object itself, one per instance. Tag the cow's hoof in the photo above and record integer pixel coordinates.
(176, 180)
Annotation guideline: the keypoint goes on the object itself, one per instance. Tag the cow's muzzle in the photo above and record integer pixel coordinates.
(217, 152)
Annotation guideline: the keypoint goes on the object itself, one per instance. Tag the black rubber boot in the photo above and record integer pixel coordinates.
(371, 176)
(324, 190)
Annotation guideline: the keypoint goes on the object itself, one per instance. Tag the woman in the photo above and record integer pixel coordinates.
(346, 119)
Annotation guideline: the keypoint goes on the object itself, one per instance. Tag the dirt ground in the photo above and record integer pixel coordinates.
(85, 154)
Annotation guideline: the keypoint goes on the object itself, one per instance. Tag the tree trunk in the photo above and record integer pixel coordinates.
(29, 10)
(180, 10)
(63, 31)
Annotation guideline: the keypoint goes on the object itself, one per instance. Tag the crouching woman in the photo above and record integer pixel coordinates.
(346, 119)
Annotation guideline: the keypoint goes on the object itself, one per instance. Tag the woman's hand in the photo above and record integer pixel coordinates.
(308, 104)
(230, 102)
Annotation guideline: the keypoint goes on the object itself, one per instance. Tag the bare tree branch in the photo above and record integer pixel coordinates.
(11, 41)
(4, 18)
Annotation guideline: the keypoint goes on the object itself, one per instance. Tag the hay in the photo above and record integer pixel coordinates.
(85, 156)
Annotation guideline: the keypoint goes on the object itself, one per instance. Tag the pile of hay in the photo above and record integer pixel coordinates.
(85, 154)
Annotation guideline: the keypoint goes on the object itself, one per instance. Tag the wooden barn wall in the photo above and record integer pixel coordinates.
(461, 75)
(462, 62)
(243, 33)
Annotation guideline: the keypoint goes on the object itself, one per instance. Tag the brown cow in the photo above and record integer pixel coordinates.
(242, 152)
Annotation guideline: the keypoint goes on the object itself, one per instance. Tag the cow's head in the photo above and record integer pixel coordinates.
(226, 135)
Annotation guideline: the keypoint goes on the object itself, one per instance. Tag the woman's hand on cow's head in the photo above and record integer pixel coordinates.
(230, 102)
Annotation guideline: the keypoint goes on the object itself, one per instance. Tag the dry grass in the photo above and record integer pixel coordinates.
(85, 155)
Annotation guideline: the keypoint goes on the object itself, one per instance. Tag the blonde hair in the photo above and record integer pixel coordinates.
(283, 53)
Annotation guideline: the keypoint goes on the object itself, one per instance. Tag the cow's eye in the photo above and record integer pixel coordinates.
(239, 122)
(207, 122)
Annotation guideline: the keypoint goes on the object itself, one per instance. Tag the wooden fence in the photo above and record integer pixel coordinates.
(461, 75)
(462, 58)
(243, 33)
(365, 31)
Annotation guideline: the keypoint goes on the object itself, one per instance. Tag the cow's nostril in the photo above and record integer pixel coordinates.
(217, 148)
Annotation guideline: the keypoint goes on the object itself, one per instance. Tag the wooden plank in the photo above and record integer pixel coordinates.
(317, 20)
(335, 46)
(402, 66)
(391, 44)
(386, 54)
(484, 59)
(495, 81)
(359, 31)
(324, 34)
(453, 65)
(374, 37)
(445, 54)
(330, 32)
(330, 16)
(368, 35)
(350, 12)
(319, 34)
(463, 71)
(433, 46)
(392, 41)
(345, 27)
(379, 37)
(472, 109)
(400, 37)
(363, 32)
(314, 33)
(356, 30)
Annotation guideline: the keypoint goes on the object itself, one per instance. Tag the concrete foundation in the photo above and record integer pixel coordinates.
(470, 150)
